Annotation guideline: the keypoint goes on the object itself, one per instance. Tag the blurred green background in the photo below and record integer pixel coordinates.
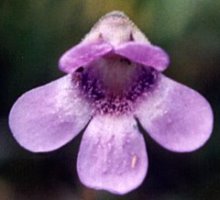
(33, 35)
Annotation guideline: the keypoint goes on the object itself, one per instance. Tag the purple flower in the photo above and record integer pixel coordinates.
(114, 80)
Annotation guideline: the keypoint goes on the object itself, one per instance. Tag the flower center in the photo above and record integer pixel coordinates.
(113, 84)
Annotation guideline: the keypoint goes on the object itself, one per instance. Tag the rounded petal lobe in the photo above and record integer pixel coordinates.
(83, 54)
(177, 117)
(144, 53)
(49, 116)
(112, 155)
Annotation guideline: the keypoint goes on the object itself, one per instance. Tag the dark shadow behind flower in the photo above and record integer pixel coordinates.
(114, 77)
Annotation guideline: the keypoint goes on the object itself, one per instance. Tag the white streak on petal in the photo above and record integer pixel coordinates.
(112, 155)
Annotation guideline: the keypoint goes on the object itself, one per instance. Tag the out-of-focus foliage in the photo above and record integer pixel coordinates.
(33, 35)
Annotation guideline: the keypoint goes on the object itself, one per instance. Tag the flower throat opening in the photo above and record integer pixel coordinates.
(114, 84)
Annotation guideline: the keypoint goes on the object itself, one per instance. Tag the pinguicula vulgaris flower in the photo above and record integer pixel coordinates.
(113, 80)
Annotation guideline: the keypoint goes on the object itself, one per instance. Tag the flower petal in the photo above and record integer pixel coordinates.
(177, 117)
(49, 116)
(144, 53)
(83, 54)
(112, 155)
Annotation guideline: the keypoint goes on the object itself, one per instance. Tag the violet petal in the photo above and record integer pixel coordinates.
(49, 116)
(112, 155)
(177, 117)
(83, 54)
(144, 53)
